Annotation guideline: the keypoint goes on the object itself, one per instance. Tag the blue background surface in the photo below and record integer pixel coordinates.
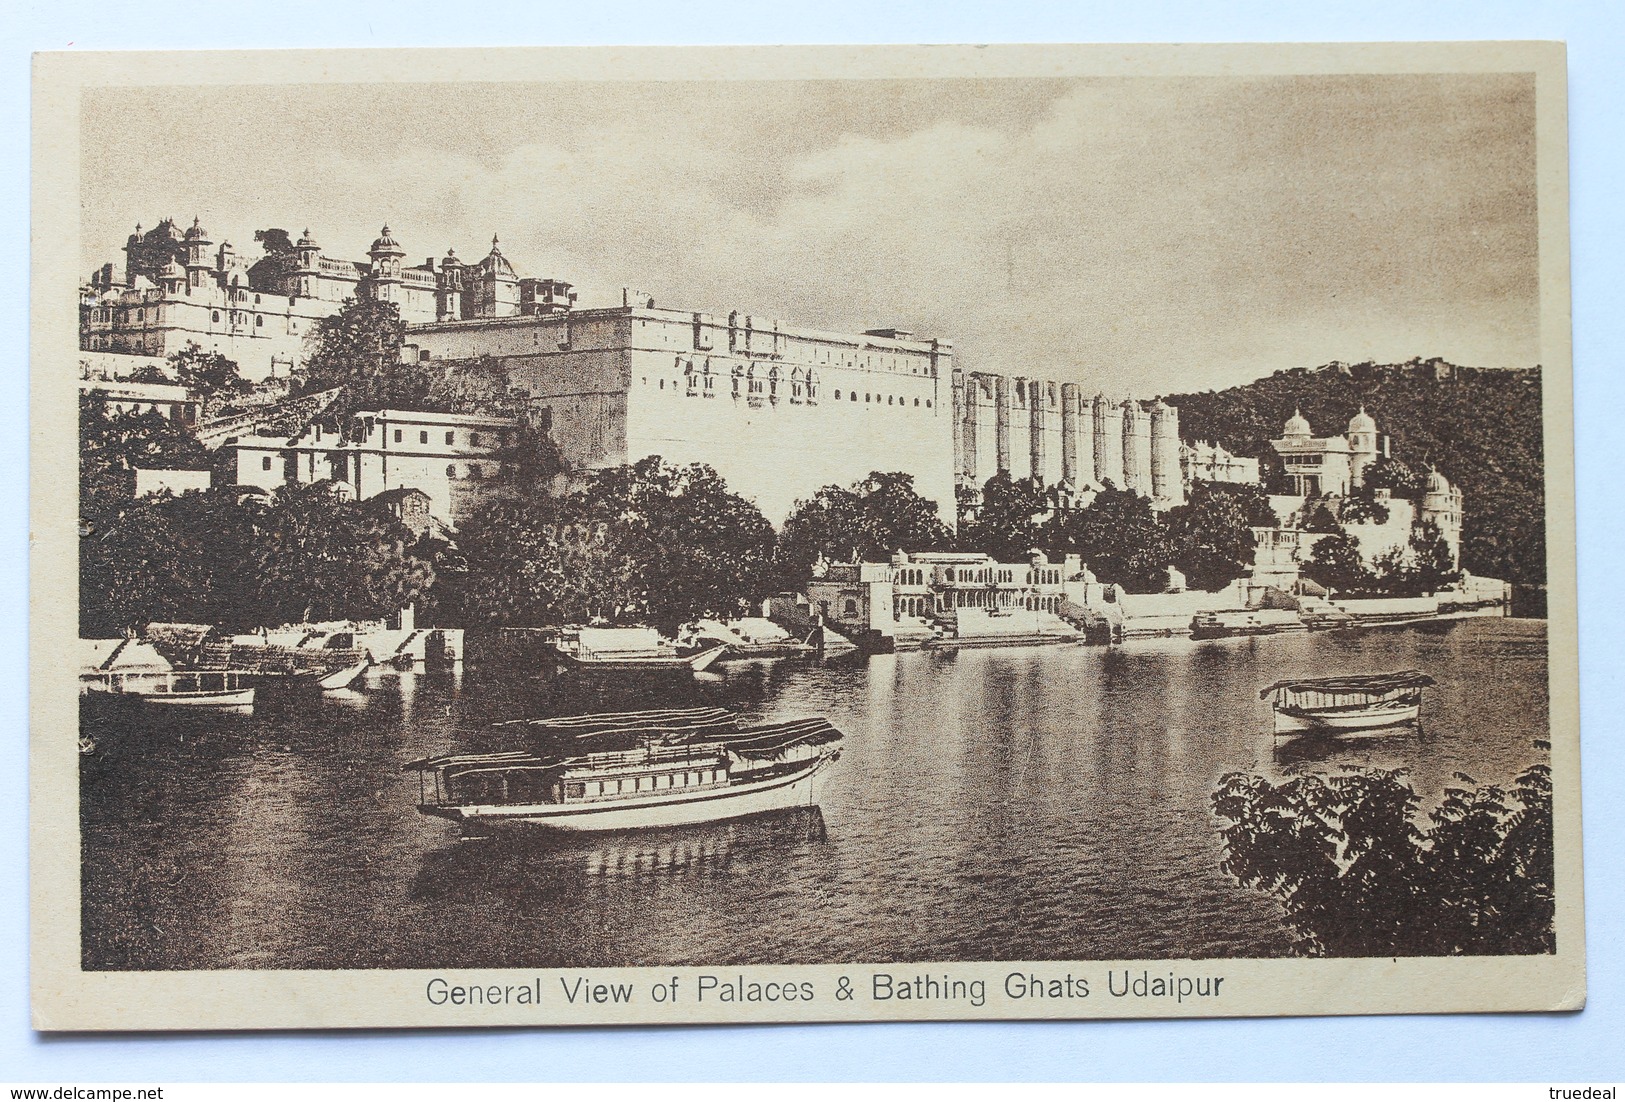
(1553, 1048)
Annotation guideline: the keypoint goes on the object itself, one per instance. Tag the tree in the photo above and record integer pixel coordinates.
(1120, 538)
(359, 351)
(1007, 523)
(1399, 478)
(317, 557)
(863, 523)
(1211, 535)
(1433, 562)
(650, 543)
(275, 242)
(209, 375)
(112, 445)
(1336, 563)
(1357, 875)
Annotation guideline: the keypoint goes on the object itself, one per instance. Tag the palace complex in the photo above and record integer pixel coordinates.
(779, 410)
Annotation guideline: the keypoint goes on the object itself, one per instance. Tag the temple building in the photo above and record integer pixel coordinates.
(1330, 464)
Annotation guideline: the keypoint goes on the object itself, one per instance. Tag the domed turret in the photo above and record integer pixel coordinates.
(386, 245)
(1297, 425)
(1362, 422)
(197, 232)
(1437, 483)
(308, 242)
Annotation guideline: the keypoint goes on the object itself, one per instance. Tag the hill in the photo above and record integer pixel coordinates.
(1481, 427)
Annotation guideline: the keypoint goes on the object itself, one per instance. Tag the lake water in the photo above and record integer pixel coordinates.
(1029, 803)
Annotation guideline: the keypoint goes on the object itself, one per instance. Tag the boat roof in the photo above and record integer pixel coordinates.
(594, 723)
(1354, 683)
(756, 743)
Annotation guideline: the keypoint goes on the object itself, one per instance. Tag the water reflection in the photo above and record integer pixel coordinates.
(1042, 803)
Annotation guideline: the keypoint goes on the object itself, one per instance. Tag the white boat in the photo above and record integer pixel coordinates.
(190, 688)
(1340, 705)
(611, 772)
(629, 650)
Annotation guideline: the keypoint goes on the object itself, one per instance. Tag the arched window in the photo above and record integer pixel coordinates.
(854, 396)
(258, 321)
(451, 470)
(215, 315)
(837, 396)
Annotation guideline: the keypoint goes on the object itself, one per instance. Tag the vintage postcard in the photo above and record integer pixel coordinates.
(736, 535)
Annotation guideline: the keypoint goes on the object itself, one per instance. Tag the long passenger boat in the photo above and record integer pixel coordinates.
(632, 770)
(1343, 705)
(192, 688)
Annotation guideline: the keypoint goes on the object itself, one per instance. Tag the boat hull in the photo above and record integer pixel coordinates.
(1346, 723)
(232, 698)
(731, 802)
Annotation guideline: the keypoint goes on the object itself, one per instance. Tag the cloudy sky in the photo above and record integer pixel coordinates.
(1138, 234)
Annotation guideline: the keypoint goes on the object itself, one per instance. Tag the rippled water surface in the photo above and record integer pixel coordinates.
(1031, 803)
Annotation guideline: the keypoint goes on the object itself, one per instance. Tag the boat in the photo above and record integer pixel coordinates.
(1225, 623)
(193, 688)
(629, 650)
(632, 771)
(748, 638)
(1337, 705)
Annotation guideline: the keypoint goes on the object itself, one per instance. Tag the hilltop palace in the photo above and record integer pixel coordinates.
(779, 410)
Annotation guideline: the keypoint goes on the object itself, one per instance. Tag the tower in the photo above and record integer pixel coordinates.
(1069, 435)
(1109, 442)
(1136, 448)
(449, 289)
(132, 256)
(1362, 446)
(196, 245)
(1167, 483)
(384, 282)
(307, 256)
(1442, 504)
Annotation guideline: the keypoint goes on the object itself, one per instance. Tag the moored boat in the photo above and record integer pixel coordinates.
(628, 650)
(631, 771)
(1348, 704)
(1224, 623)
(193, 688)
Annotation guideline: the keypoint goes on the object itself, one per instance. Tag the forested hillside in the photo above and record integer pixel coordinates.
(1480, 427)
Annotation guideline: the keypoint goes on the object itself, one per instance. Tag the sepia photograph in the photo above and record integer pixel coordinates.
(803, 534)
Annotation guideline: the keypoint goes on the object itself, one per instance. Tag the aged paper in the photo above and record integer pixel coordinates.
(877, 533)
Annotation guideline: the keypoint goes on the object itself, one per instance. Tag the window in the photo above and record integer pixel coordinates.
(476, 472)
(916, 401)
(451, 437)
(451, 470)
(214, 315)
(397, 436)
(265, 463)
(837, 396)
(423, 438)
(258, 321)
(928, 403)
(854, 396)
(473, 439)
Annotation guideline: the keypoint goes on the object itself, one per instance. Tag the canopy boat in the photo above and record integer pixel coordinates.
(1350, 703)
(196, 688)
(631, 771)
(629, 650)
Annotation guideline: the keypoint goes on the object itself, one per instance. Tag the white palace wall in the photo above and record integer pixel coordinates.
(778, 411)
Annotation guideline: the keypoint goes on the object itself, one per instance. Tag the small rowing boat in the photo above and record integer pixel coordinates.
(1351, 703)
(631, 771)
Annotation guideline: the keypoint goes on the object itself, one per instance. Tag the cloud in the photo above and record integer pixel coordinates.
(1133, 234)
